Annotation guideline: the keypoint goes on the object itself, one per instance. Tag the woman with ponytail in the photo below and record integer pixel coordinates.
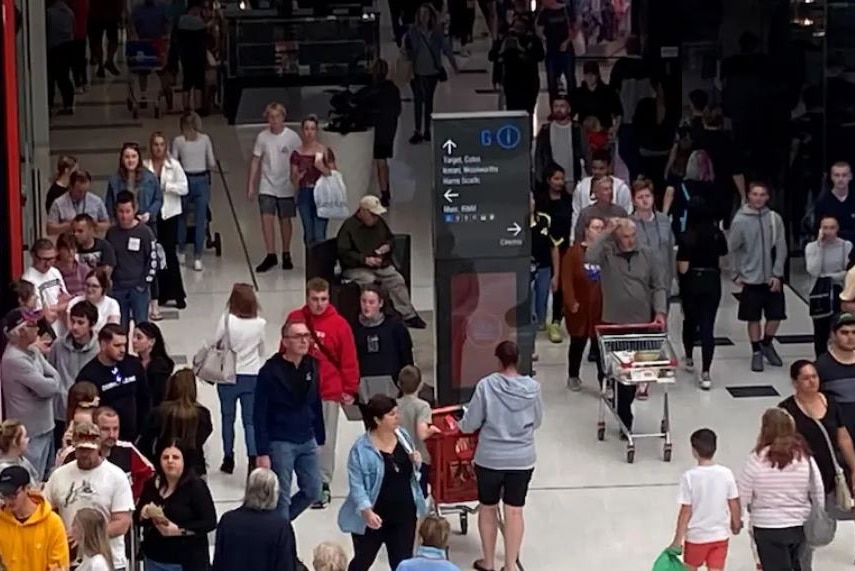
(777, 486)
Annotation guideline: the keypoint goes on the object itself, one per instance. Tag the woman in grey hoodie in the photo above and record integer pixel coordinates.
(507, 408)
(827, 257)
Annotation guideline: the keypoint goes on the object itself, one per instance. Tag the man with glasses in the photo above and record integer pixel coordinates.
(93, 251)
(836, 368)
(51, 294)
(288, 416)
(30, 385)
(120, 379)
(68, 355)
(78, 200)
(26, 515)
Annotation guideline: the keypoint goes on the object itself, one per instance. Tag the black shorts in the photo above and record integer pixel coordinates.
(383, 149)
(511, 486)
(98, 28)
(758, 301)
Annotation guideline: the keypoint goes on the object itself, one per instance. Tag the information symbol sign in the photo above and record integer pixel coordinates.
(508, 137)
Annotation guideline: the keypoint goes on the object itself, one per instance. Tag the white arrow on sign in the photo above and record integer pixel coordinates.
(515, 229)
(450, 195)
(449, 146)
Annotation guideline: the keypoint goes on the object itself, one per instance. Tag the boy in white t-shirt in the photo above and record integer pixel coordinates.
(709, 507)
(51, 294)
(270, 170)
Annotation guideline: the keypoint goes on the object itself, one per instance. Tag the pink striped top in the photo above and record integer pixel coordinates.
(779, 498)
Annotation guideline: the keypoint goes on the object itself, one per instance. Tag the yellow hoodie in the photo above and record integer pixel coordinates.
(38, 544)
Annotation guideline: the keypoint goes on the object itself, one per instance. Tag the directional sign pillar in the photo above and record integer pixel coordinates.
(482, 250)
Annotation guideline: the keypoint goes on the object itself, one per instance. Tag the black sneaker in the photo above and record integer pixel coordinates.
(416, 139)
(415, 322)
(287, 264)
(385, 198)
(111, 67)
(268, 263)
(100, 72)
(325, 499)
(426, 136)
(228, 465)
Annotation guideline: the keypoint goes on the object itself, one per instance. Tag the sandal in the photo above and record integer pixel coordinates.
(479, 566)
(156, 316)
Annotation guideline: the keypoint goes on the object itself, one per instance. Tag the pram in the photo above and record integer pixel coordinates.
(145, 58)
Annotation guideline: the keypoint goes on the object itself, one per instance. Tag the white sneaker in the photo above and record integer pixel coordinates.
(197, 265)
(182, 258)
(706, 381)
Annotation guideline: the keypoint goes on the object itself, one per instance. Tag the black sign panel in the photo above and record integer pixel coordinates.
(482, 178)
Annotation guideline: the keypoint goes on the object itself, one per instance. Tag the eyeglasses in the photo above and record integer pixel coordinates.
(300, 336)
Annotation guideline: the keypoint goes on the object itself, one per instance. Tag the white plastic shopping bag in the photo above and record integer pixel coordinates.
(331, 196)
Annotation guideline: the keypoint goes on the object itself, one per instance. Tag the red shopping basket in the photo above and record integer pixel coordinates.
(452, 474)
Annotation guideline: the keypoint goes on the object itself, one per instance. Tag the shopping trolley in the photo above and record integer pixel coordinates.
(633, 354)
(452, 475)
(145, 59)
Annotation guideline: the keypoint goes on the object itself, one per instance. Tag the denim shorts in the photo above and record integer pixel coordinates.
(277, 206)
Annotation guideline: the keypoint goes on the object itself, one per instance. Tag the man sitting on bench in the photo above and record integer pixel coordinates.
(365, 253)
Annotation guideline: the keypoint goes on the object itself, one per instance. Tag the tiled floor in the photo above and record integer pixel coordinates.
(585, 501)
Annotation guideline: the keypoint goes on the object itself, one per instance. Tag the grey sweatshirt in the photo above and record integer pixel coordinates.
(827, 259)
(632, 283)
(753, 235)
(68, 360)
(657, 235)
(136, 256)
(507, 410)
(30, 385)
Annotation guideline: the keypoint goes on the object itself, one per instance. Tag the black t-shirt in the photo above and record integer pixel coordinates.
(100, 254)
(541, 241)
(54, 192)
(837, 380)
(810, 431)
(395, 501)
(844, 210)
(556, 23)
(702, 247)
(124, 387)
(602, 102)
(560, 210)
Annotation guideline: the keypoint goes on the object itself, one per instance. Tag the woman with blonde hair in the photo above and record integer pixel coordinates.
(65, 166)
(179, 417)
(329, 556)
(193, 149)
(246, 338)
(13, 447)
(173, 185)
(778, 485)
(89, 531)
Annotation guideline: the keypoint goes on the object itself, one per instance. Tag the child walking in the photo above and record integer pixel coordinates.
(89, 530)
(709, 507)
(416, 417)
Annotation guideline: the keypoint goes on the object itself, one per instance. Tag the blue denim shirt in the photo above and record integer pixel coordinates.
(148, 193)
(428, 559)
(365, 470)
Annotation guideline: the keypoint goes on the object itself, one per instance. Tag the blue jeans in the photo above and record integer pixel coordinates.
(40, 453)
(243, 389)
(540, 291)
(558, 64)
(152, 565)
(287, 458)
(197, 199)
(133, 304)
(314, 228)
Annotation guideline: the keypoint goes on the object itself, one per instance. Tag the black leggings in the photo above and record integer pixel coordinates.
(424, 88)
(821, 332)
(557, 305)
(700, 291)
(59, 60)
(398, 537)
(574, 356)
(780, 549)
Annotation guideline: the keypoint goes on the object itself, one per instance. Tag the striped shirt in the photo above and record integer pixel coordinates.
(779, 498)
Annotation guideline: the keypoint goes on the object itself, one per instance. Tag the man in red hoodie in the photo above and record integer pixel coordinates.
(334, 348)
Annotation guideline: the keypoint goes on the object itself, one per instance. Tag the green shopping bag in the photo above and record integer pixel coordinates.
(669, 560)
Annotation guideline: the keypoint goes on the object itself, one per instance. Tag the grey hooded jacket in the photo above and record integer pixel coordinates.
(29, 386)
(758, 244)
(507, 410)
(657, 236)
(68, 360)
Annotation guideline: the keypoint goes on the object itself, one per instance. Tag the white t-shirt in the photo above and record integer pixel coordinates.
(274, 151)
(49, 286)
(246, 339)
(106, 488)
(707, 489)
(107, 307)
(96, 563)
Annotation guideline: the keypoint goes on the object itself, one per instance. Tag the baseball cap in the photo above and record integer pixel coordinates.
(12, 478)
(86, 435)
(842, 320)
(372, 204)
(18, 317)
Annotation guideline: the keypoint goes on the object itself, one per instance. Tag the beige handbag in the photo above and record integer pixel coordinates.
(838, 501)
(217, 364)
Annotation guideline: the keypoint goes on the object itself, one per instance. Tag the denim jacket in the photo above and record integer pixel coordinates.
(365, 469)
(428, 559)
(148, 193)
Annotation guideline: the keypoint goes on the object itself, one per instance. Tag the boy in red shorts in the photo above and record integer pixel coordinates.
(709, 507)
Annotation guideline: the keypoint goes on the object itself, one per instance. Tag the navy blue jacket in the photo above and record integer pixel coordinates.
(256, 540)
(288, 403)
